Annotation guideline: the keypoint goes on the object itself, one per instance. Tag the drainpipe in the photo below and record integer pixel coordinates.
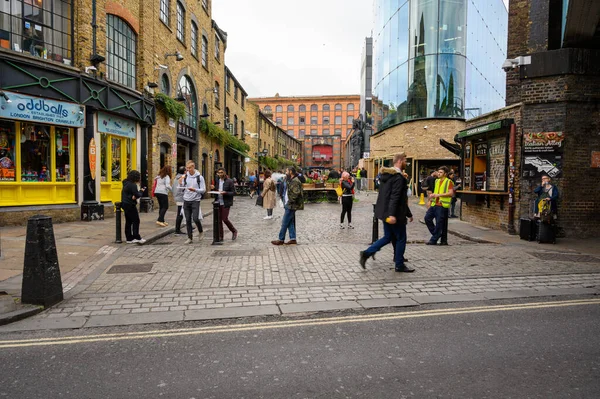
(511, 179)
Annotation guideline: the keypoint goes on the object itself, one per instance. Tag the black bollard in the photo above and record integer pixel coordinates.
(375, 236)
(42, 284)
(216, 222)
(118, 229)
(444, 237)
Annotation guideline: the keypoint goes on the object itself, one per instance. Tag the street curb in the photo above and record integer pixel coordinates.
(165, 232)
(469, 238)
(20, 314)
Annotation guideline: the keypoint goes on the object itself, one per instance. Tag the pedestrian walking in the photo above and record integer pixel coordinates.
(358, 179)
(293, 199)
(129, 196)
(440, 201)
(392, 209)
(364, 182)
(193, 187)
(269, 194)
(347, 199)
(161, 192)
(226, 190)
(253, 184)
(178, 196)
(457, 186)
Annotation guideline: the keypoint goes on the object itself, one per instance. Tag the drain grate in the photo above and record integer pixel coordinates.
(560, 257)
(235, 252)
(138, 268)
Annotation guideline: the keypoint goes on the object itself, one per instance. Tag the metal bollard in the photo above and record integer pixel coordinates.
(216, 223)
(375, 236)
(118, 229)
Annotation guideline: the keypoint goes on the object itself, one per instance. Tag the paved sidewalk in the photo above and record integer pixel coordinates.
(249, 276)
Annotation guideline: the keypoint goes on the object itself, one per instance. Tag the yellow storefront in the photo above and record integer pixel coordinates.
(118, 154)
(37, 160)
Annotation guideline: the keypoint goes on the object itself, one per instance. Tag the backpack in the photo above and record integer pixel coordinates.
(302, 178)
(197, 181)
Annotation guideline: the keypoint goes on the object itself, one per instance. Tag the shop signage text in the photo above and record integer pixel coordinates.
(42, 110)
(116, 125)
(543, 154)
(480, 129)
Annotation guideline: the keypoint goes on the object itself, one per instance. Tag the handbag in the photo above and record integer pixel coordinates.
(339, 191)
(154, 186)
(259, 200)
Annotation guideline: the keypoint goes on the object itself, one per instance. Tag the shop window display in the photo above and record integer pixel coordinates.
(116, 159)
(35, 153)
(63, 162)
(7, 151)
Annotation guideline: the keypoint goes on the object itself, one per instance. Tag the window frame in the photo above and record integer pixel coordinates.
(180, 29)
(326, 107)
(217, 94)
(204, 51)
(129, 76)
(194, 39)
(338, 107)
(165, 15)
(217, 48)
(278, 108)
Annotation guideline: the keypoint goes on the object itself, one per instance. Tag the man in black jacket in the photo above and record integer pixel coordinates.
(392, 208)
(226, 190)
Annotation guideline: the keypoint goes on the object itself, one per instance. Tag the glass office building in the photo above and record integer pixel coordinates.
(437, 59)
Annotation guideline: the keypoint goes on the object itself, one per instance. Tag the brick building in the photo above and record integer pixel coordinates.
(322, 123)
(550, 125)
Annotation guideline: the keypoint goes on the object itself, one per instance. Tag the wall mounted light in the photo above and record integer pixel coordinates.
(5, 97)
(177, 55)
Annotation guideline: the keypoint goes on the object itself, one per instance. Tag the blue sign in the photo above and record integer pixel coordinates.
(41, 110)
(115, 125)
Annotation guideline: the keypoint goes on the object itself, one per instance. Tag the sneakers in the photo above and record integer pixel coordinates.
(161, 224)
(268, 217)
(130, 242)
(350, 226)
(136, 241)
(188, 241)
(291, 242)
(277, 242)
(342, 226)
(141, 241)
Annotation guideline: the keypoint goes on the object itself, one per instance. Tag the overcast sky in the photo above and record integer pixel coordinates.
(309, 47)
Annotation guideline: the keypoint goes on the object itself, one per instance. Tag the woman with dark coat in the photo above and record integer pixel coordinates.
(129, 196)
(347, 198)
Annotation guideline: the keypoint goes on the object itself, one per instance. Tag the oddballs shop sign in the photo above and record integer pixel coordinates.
(41, 110)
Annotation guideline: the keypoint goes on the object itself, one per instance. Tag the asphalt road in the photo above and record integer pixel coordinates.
(549, 348)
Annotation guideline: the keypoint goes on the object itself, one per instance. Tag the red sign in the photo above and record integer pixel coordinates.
(595, 159)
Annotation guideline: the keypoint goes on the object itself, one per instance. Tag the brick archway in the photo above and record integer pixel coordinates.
(122, 12)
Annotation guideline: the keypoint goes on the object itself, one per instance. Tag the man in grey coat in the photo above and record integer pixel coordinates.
(193, 186)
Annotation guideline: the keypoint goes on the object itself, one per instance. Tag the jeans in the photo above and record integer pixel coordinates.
(163, 205)
(132, 223)
(191, 209)
(440, 214)
(288, 223)
(346, 208)
(397, 231)
(224, 218)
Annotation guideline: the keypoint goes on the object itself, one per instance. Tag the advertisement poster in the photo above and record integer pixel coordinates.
(542, 154)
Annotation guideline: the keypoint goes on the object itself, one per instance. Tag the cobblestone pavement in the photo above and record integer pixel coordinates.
(322, 268)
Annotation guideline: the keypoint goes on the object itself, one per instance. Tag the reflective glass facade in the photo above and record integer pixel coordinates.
(437, 59)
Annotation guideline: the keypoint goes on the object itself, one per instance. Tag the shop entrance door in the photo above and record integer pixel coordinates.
(116, 155)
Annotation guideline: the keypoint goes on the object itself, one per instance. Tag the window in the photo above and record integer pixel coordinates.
(180, 22)
(326, 120)
(120, 51)
(217, 94)
(313, 120)
(349, 120)
(302, 120)
(313, 131)
(235, 92)
(187, 91)
(290, 132)
(267, 109)
(338, 107)
(194, 39)
(242, 130)
(326, 132)
(278, 120)
(325, 107)
(350, 107)
(314, 108)
(164, 11)
(205, 5)
(338, 131)
(165, 86)
(235, 125)
(302, 108)
(227, 117)
(290, 120)
(204, 51)
(290, 108)
(302, 132)
(243, 100)
(338, 120)
(217, 48)
(279, 108)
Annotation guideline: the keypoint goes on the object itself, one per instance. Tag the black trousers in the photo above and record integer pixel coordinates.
(163, 205)
(347, 201)
(132, 222)
(192, 212)
(178, 219)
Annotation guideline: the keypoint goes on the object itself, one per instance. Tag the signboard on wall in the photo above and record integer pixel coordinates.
(497, 168)
(116, 125)
(41, 110)
(542, 154)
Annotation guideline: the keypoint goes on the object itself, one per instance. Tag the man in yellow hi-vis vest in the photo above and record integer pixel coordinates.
(440, 204)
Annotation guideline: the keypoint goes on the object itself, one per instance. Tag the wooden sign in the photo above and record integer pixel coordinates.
(92, 158)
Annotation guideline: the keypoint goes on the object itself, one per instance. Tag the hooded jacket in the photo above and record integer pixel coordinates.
(392, 199)
(129, 191)
(191, 181)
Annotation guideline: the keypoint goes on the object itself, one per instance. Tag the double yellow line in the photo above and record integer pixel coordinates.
(287, 324)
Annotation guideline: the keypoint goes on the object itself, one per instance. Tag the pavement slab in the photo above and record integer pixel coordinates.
(229, 313)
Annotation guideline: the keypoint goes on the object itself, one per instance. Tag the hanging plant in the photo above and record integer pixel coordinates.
(222, 136)
(174, 109)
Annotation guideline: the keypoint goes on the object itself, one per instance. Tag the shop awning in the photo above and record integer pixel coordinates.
(240, 153)
(453, 148)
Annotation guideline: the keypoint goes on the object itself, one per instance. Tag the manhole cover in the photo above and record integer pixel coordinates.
(235, 252)
(139, 268)
(549, 256)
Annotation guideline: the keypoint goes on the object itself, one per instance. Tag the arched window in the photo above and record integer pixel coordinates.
(338, 107)
(242, 130)
(120, 51)
(180, 22)
(290, 108)
(325, 107)
(350, 107)
(279, 108)
(187, 91)
(165, 85)
(227, 116)
(267, 109)
(302, 108)
(217, 94)
(235, 125)
(194, 40)
(314, 108)
(205, 110)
